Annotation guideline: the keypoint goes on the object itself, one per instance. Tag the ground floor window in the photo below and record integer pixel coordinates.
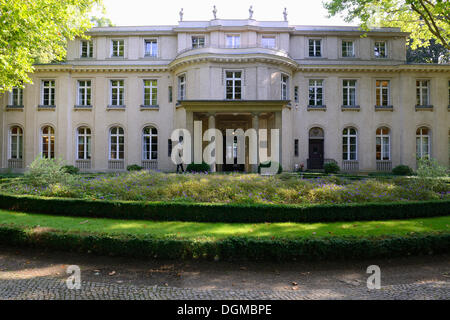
(423, 143)
(349, 144)
(150, 143)
(15, 142)
(83, 143)
(383, 144)
(48, 142)
(116, 143)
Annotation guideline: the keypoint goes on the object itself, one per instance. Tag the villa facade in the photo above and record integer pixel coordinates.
(334, 95)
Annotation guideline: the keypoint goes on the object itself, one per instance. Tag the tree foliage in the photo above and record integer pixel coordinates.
(424, 19)
(101, 22)
(434, 53)
(37, 31)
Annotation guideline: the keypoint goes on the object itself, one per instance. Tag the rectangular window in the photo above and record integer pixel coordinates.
(233, 85)
(348, 49)
(284, 87)
(233, 41)
(315, 49)
(349, 92)
(117, 93)
(182, 87)
(150, 92)
(268, 42)
(48, 93)
(295, 147)
(170, 94)
(87, 49)
(198, 42)
(151, 48)
(382, 92)
(296, 98)
(84, 93)
(380, 49)
(117, 48)
(422, 92)
(315, 93)
(16, 97)
(169, 147)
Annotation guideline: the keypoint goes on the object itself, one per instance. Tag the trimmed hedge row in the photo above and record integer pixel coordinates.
(230, 249)
(243, 213)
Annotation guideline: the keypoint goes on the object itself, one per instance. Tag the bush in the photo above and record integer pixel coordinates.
(429, 168)
(402, 170)
(134, 167)
(268, 164)
(331, 167)
(198, 167)
(43, 172)
(71, 169)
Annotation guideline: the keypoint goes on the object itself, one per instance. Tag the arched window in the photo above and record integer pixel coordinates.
(149, 143)
(349, 144)
(116, 143)
(15, 143)
(83, 143)
(383, 145)
(48, 142)
(423, 143)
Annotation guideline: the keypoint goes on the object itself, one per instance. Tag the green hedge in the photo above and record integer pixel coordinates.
(230, 248)
(204, 212)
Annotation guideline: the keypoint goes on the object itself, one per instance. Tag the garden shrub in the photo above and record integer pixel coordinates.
(134, 167)
(430, 168)
(198, 167)
(45, 172)
(402, 170)
(331, 167)
(268, 164)
(71, 169)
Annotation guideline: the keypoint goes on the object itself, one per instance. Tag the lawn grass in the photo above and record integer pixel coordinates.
(216, 231)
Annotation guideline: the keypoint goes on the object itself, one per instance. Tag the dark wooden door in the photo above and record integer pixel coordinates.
(315, 154)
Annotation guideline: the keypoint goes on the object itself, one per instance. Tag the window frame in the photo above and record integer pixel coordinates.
(386, 55)
(112, 53)
(419, 153)
(382, 143)
(119, 96)
(19, 143)
(379, 88)
(89, 49)
(153, 92)
(198, 46)
(233, 80)
(315, 87)
(117, 143)
(419, 92)
(274, 38)
(314, 46)
(51, 145)
(284, 86)
(87, 93)
(51, 93)
(347, 94)
(353, 48)
(87, 143)
(152, 54)
(19, 97)
(347, 142)
(150, 151)
(233, 36)
(181, 86)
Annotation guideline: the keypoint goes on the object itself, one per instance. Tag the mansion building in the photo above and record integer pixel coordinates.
(333, 93)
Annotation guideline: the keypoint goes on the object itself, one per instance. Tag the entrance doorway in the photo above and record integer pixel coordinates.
(232, 152)
(316, 149)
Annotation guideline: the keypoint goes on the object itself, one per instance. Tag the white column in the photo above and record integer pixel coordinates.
(212, 125)
(255, 125)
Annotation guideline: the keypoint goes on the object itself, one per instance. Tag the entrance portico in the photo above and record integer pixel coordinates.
(230, 116)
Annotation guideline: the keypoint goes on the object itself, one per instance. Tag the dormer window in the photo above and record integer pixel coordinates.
(87, 49)
(268, 42)
(151, 48)
(233, 41)
(198, 42)
(117, 48)
(380, 49)
(315, 49)
(348, 49)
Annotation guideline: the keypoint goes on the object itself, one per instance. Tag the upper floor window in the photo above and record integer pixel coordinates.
(87, 49)
(380, 50)
(349, 144)
(198, 42)
(315, 49)
(150, 92)
(15, 142)
(315, 93)
(349, 92)
(117, 48)
(382, 92)
(84, 93)
(151, 48)
(48, 93)
(348, 49)
(422, 92)
(83, 143)
(284, 87)
(268, 42)
(16, 97)
(182, 87)
(233, 41)
(383, 144)
(233, 85)
(117, 93)
(150, 143)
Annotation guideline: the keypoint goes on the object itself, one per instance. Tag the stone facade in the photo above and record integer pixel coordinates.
(334, 95)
